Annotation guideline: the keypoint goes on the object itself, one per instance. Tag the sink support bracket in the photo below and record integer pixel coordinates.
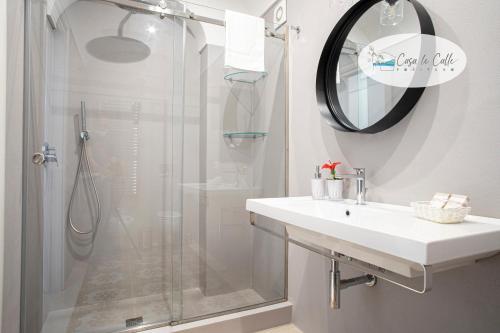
(371, 272)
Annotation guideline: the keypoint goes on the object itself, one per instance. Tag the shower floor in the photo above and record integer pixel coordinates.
(107, 317)
(114, 289)
(111, 316)
(124, 279)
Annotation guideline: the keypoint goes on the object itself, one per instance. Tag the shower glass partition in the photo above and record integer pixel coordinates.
(175, 145)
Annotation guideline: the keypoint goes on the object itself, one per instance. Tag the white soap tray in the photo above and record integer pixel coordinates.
(424, 210)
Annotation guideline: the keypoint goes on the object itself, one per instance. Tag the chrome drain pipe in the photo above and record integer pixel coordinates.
(337, 284)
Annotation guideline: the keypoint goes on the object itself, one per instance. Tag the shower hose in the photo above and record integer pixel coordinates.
(79, 171)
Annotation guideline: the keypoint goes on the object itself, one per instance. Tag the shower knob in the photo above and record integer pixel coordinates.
(48, 154)
(38, 158)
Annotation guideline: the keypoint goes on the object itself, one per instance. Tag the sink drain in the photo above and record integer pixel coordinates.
(131, 322)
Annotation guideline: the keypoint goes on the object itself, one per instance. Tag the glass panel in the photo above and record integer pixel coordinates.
(234, 149)
(138, 106)
(110, 80)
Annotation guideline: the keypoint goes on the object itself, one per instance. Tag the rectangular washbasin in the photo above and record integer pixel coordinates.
(388, 236)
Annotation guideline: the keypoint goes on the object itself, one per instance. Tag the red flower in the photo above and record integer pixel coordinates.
(331, 166)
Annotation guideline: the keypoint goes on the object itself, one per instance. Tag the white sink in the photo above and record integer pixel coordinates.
(388, 236)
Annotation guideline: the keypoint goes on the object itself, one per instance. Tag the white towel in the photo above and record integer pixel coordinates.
(244, 42)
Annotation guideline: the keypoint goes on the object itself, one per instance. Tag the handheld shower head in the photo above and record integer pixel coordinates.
(83, 116)
(84, 135)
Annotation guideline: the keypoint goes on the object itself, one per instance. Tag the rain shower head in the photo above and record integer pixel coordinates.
(118, 48)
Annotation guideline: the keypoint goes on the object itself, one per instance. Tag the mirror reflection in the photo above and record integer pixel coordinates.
(363, 100)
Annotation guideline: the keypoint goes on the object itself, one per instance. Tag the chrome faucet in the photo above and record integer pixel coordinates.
(360, 184)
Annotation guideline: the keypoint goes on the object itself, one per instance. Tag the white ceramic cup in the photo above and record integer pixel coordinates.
(335, 189)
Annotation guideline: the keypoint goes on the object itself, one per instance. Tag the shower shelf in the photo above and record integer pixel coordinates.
(245, 76)
(244, 135)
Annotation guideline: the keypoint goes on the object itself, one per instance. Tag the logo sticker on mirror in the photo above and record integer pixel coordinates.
(412, 60)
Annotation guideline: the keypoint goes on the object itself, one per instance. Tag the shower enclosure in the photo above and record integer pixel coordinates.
(139, 106)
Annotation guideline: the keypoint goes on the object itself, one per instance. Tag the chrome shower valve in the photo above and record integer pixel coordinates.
(47, 155)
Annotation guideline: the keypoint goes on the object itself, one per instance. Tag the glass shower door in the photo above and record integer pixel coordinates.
(234, 149)
(111, 79)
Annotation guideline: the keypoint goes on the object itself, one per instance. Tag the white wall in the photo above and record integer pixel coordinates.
(450, 142)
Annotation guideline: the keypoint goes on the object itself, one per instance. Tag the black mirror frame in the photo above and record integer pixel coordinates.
(326, 88)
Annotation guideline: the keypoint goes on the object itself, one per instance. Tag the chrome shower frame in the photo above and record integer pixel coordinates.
(163, 11)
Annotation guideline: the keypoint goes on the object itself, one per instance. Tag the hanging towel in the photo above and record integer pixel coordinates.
(244, 42)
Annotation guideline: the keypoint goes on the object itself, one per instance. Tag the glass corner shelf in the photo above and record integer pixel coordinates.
(245, 76)
(244, 135)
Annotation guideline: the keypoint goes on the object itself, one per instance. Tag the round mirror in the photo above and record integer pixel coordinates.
(348, 98)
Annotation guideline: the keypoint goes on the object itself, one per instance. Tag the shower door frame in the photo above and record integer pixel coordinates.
(26, 165)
